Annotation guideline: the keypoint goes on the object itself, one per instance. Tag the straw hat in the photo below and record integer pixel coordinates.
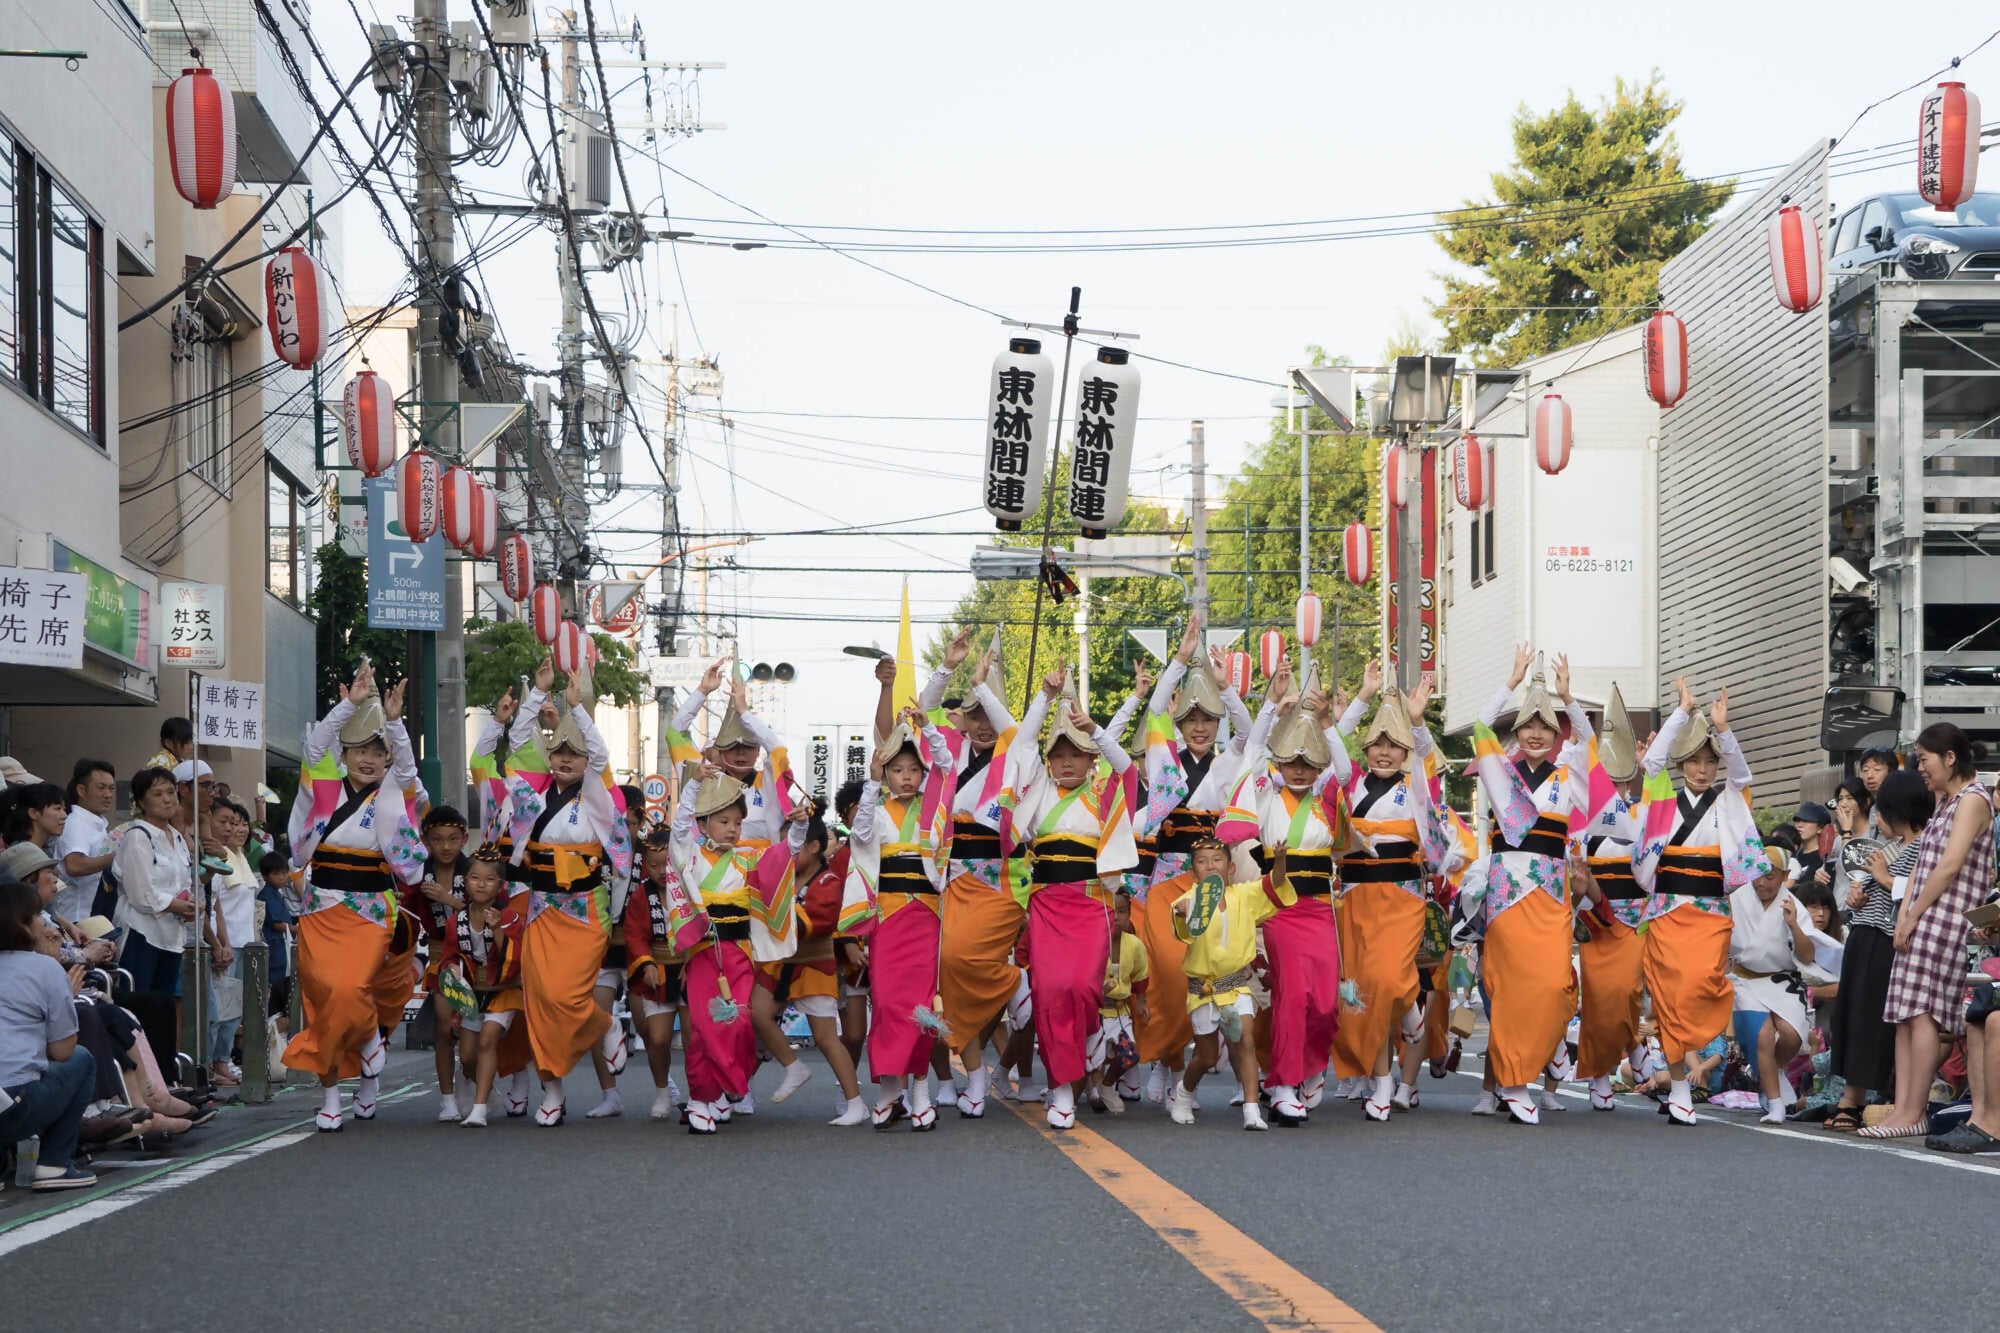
(1198, 690)
(1618, 747)
(1066, 730)
(1392, 724)
(367, 724)
(1298, 734)
(718, 791)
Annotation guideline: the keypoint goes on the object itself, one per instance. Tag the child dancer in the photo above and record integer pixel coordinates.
(1221, 938)
(433, 901)
(653, 910)
(1125, 982)
(483, 942)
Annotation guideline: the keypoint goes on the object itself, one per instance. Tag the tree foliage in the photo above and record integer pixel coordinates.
(1573, 239)
(339, 608)
(499, 653)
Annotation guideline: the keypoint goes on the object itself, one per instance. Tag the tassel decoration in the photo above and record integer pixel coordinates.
(1350, 995)
(928, 1019)
(721, 1009)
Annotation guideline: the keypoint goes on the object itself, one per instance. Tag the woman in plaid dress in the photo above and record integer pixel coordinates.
(1954, 872)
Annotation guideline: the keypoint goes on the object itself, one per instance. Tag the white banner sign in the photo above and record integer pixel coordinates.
(678, 673)
(41, 618)
(231, 713)
(194, 615)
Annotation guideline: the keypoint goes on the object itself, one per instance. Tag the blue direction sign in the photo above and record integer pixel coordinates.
(405, 578)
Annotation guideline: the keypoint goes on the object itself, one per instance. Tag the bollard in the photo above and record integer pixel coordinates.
(194, 1010)
(256, 1087)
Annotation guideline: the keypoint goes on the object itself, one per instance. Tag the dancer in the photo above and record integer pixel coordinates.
(656, 912)
(1536, 795)
(571, 834)
(748, 751)
(433, 901)
(482, 941)
(1079, 830)
(1611, 905)
(1125, 983)
(810, 981)
(1385, 886)
(1218, 923)
(354, 837)
(1698, 846)
(1284, 799)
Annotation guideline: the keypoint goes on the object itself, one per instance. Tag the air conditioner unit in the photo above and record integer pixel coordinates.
(587, 164)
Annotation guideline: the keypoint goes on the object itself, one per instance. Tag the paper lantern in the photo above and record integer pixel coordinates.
(1666, 358)
(1238, 666)
(1798, 265)
(1107, 416)
(417, 505)
(298, 301)
(545, 614)
(368, 423)
(1357, 554)
(571, 656)
(1396, 461)
(1020, 398)
(1306, 614)
(485, 523)
(590, 654)
(1271, 651)
(1551, 432)
(201, 137)
(517, 568)
(1470, 478)
(1948, 146)
(459, 501)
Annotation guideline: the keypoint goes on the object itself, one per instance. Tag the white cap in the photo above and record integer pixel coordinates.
(188, 770)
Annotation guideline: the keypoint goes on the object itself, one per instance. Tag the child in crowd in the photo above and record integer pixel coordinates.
(656, 964)
(278, 919)
(1124, 993)
(1221, 936)
(483, 943)
(433, 901)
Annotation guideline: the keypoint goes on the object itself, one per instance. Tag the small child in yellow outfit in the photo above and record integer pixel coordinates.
(1124, 983)
(1221, 938)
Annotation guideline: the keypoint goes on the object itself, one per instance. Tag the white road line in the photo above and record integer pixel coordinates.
(49, 1227)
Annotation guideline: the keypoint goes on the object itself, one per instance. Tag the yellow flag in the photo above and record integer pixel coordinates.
(905, 693)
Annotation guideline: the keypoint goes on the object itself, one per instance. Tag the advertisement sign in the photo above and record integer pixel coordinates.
(196, 618)
(117, 612)
(405, 578)
(41, 618)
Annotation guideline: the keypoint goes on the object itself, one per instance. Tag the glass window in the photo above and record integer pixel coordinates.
(205, 371)
(1492, 522)
(1874, 214)
(1848, 234)
(51, 292)
(1477, 548)
(72, 329)
(287, 539)
(10, 347)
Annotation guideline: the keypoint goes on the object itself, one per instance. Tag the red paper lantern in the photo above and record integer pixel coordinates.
(1552, 437)
(485, 523)
(459, 501)
(417, 484)
(1666, 358)
(1798, 265)
(1306, 616)
(590, 655)
(1357, 554)
(571, 655)
(545, 613)
(368, 422)
(297, 305)
(1396, 460)
(1238, 666)
(1271, 651)
(517, 568)
(1948, 146)
(201, 137)
(1469, 475)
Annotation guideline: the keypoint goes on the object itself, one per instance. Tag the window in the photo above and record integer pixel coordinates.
(1479, 542)
(1874, 214)
(287, 574)
(204, 389)
(51, 292)
(1849, 234)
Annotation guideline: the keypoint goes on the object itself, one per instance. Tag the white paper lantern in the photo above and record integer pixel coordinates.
(1107, 418)
(1020, 398)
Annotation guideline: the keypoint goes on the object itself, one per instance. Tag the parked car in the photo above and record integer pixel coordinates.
(1921, 241)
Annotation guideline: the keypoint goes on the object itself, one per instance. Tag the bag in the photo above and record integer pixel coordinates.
(275, 1042)
(228, 998)
(1121, 1058)
(1463, 1021)
(1436, 942)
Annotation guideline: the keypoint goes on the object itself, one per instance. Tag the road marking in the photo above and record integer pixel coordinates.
(1271, 1291)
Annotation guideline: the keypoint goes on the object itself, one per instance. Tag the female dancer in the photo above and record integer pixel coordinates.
(353, 835)
(1535, 795)
(1699, 845)
(1611, 905)
(1079, 830)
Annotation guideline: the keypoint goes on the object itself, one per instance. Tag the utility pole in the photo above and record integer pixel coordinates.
(437, 384)
(571, 455)
(1305, 498)
(1198, 514)
(1409, 557)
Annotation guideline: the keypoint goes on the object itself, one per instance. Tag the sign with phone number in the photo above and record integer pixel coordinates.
(1589, 559)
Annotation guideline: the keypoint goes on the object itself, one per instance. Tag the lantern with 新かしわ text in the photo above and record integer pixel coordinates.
(517, 568)
(298, 303)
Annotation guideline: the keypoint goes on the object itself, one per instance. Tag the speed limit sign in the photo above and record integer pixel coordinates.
(654, 788)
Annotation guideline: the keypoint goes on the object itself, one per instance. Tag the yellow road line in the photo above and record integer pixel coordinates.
(1270, 1290)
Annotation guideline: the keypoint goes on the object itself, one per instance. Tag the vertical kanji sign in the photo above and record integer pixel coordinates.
(232, 714)
(41, 618)
(195, 625)
(1427, 520)
(1018, 405)
(1100, 465)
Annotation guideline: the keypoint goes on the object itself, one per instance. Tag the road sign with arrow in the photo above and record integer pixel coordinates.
(405, 578)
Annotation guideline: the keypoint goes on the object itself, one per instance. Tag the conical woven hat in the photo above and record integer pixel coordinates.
(1198, 690)
(567, 735)
(732, 732)
(1694, 735)
(718, 791)
(367, 724)
(1298, 734)
(1066, 730)
(1538, 703)
(1391, 724)
(1618, 747)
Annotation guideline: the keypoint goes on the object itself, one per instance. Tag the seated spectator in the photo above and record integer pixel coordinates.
(83, 852)
(1771, 940)
(1980, 1134)
(45, 1077)
(28, 864)
(1706, 1068)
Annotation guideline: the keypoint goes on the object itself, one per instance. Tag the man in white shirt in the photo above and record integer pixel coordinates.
(83, 852)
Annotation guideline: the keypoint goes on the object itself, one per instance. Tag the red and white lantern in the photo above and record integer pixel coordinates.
(1306, 616)
(590, 652)
(517, 568)
(298, 301)
(545, 614)
(1396, 463)
(1470, 478)
(1798, 265)
(571, 655)
(1357, 554)
(459, 498)
(1238, 666)
(485, 523)
(417, 505)
(1666, 357)
(368, 421)
(1552, 435)
(1948, 146)
(1271, 651)
(201, 137)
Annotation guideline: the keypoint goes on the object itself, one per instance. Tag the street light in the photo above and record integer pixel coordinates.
(1420, 390)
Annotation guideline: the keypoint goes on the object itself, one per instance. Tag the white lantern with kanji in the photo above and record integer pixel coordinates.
(1798, 265)
(298, 303)
(1948, 146)
(545, 614)
(1020, 398)
(485, 523)
(368, 422)
(1395, 479)
(1271, 651)
(1306, 616)
(517, 568)
(1552, 433)
(1470, 479)
(1666, 358)
(417, 503)
(1238, 666)
(201, 137)
(459, 498)
(1357, 554)
(1107, 419)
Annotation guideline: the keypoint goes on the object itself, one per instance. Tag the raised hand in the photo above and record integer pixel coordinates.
(1719, 714)
(1315, 703)
(1142, 682)
(1415, 701)
(1371, 679)
(711, 679)
(1561, 661)
(1052, 684)
(1523, 655)
(504, 710)
(1190, 640)
(984, 669)
(364, 684)
(878, 763)
(958, 649)
(1219, 661)
(885, 672)
(1281, 679)
(573, 688)
(1079, 717)
(1686, 695)
(545, 672)
(392, 700)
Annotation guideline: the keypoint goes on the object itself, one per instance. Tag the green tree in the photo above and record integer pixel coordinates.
(1572, 241)
(339, 606)
(499, 653)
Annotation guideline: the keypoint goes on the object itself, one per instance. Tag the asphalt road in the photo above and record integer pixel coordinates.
(1435, 1221)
